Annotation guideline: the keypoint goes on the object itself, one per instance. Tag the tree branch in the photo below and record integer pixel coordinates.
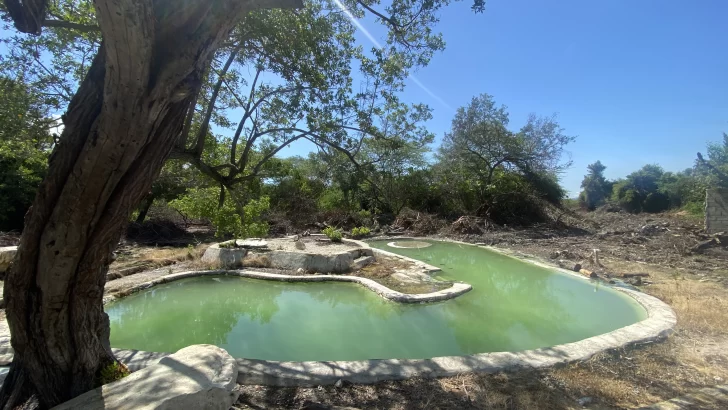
(28, 16)
(246, 115)
(205, 126)
(720, 174)
(84, 28)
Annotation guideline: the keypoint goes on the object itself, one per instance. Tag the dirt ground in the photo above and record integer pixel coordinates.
(693, 281)
(679, 263)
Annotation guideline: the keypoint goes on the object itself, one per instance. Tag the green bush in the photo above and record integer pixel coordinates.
(333, 234)
(631, 201)
(695, 208)
(656, 202)
(360, 231)
(202, 203)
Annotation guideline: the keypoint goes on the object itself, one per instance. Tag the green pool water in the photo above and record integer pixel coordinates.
(513, 306)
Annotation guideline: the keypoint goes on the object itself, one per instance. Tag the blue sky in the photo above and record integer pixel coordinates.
(640, 81)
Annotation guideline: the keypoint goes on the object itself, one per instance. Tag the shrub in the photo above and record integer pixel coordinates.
(333, 234)
(360, 231)
(631, 201)
(202, 203)
(695, 208)
(656, 202)
(111, 373)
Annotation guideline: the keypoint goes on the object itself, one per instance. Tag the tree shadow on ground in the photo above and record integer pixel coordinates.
(526, 389)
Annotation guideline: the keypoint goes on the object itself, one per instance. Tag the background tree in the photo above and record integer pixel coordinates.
(639, 191)
(493, 167)
(25, 143)
(715, 167)
(595, 188)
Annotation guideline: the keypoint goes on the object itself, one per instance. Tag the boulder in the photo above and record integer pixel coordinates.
(196, 377)
(312, 262)
(7, 253)
(224, 257)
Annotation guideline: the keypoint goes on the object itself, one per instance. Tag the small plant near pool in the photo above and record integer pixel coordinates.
(113, 372)
(360, 232)
(228, 244)
(333, 234)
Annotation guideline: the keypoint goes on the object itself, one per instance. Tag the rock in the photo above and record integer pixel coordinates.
(7, 253)
(300, 245)
(196, 377)
(362, 262)
(225, 257)
(338, 384)
(649, 230)
(584, 401)
(252, 244)
(718, 240)
(635, 275)
(637, 281)
(313, 263)
(564, 264)
(300, 271)
(594, 275)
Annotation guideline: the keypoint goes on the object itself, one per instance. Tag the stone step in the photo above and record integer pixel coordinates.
(359, 252)
(362, 262)
(196, 377)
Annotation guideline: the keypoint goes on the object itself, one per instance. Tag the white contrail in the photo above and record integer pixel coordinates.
(371, 38)
(431, 94)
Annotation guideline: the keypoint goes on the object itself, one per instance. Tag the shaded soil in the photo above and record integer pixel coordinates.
(384, 268)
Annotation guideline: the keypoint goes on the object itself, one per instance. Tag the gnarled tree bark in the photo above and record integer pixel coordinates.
(119, 129)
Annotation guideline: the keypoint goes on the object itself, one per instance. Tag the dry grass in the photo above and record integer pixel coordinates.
(521, 390)
(699, 302)
(695, 356)
(382, 269)
(700, 306)
(162, 255)
(256, 261)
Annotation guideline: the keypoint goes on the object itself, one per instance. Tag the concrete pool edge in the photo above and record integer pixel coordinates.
(659, 324)
(457, 288)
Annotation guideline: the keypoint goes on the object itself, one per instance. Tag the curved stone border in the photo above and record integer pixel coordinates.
(659, 324)
(661, 319)
(394, 245)
(457, 288)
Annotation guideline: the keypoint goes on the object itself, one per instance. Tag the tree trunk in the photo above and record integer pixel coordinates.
(144, 208)
(119, 129)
